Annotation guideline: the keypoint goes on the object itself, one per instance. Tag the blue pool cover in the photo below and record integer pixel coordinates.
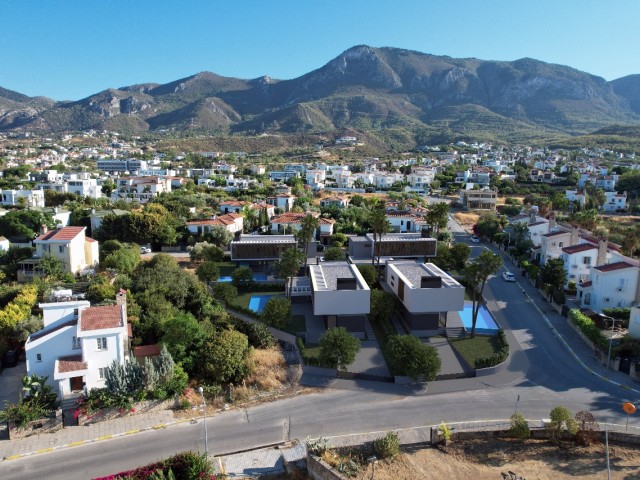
(257, 302)
(485, 323)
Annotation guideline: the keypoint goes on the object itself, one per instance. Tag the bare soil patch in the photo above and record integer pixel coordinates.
(467, 220)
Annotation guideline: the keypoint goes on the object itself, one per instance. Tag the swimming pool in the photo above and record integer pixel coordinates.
(257, 302)
(485, 323)
(256, 277)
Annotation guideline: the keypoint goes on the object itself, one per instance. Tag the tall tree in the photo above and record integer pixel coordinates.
(437, 217)
(380, 225)
(553, 273)
(476, 274)
(306, 233)
(250, 218)
(289, 264)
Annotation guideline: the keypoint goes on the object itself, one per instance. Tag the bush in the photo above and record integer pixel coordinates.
(496, 358)
(225, 292)
(277, 312)
(369, 274)
(208, 271)
(562, 422)
(519, 427)
(407, 355)
(587, 427)
(338, 348)
(588, 328)
(183, 466)
(242, 278)
(387, 446)
(333, 253)
(445, 432)
(258, 333)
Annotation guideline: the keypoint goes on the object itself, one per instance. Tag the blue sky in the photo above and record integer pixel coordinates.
(69, 49)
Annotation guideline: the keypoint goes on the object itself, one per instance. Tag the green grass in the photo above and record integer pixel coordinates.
(242, 300)
(298, 324)
(226, 268)
(477, 347)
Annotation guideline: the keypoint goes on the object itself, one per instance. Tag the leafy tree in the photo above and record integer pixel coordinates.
(56, 199)
(108, 247)
(220, 236)
(338, 348)
(250, 220)
(277, 312)
(553, 273)
(369, 274)
(444, 258)
(519, 427)
(208, 272)
(476, 275)
(460, 254)
(108, 186)
(289, 265)
(184, 337)
(163, 276)
(225, 292)
(204, 251)
(224, 357)
(9, 260)
(488, 225)
(334, 253)
(437, 217)
(51, 266)
(124, 260)
(562, 422)
(407, 355)
(383, 304)
(339, 239)
(24, 223)
(242, 278)
(100, 290)
(587, 427)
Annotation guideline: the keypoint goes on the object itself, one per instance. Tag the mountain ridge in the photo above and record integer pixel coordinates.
(364, 89)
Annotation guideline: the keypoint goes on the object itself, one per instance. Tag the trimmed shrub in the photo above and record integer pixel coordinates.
(387, 446)
(562, 422)
(496, 358)
(519, 427)
(588, 328)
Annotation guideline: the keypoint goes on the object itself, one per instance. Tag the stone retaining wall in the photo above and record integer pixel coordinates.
(43, 425)
(318, 469)
(113, 412)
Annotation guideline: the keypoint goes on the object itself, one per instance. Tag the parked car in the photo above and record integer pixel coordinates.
(144, 250)
(475, 239)
(508, 277)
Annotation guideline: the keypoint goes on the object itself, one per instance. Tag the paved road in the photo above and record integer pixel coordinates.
(553, 377)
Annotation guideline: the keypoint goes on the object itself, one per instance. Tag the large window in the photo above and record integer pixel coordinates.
(102, 343)
(103, 372)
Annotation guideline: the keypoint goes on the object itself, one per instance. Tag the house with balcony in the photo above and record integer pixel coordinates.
(283, 201)
(340, 296)
(260, 250)
(70, 245)
(290, 223)
(78, 343)
(614, 202)
(426, 294)
(22, 198)
(612, 285)
(140, 189)
(484, 199)
(576, 196)
(232, 222)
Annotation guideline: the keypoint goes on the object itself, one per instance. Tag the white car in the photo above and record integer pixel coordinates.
(144, 250)
(508, 277)
(475, 239)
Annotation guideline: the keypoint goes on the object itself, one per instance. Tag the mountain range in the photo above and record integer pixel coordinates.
(416, 95)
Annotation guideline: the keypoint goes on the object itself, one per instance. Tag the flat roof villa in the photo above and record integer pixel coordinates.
(427, 294)
(391, 246)
(340, 295)
(261, 248)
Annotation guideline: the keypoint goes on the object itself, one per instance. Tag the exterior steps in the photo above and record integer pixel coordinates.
(455, 332)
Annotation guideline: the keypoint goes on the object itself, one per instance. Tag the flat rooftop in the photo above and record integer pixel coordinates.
(325, 276)
(401, 237)
(266, 239)
(414, 271)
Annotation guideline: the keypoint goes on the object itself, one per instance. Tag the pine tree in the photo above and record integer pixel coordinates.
(164, 365)
(151, 374)
(115, 379)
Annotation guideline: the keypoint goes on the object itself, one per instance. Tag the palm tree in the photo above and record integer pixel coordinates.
(477, 273)
(380, 225)
(250, 217)
(306, 233)
(289, 264)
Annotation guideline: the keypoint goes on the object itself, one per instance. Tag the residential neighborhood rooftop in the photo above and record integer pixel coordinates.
(266, 239)
(71, 363)
(581, 247)
(107, 316)
(414, 272)
(326, 275)
(610, 267)
(61, 234)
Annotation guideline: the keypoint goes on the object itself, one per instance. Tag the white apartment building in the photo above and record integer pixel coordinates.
(19, 197)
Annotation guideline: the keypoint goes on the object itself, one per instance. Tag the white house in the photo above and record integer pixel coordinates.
(402, 221)
(283, 201)
(340, 295)
(614, 202)
(78, 344)
(290, 222)
(610, 285)
(140, 189)
(576, 196)
(578, 260)
(426, 294)
(27, 198)
(70, 245)
(232, 222)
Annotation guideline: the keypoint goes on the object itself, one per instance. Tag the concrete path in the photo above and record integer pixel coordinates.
(369, 360)
(452, 364)
(11, 383)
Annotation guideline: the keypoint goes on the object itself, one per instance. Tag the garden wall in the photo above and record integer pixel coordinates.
(321, 470)
(140, 407)
(43, 425)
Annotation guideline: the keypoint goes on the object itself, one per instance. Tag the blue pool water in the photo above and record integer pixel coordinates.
(257, 302)
(256, 277)
(485, 323)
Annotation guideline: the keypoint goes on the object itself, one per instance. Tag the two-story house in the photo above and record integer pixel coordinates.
(232, 222)
(283, 201)
(140, 189)
(615, 202)
(78, 343)
(609, 286)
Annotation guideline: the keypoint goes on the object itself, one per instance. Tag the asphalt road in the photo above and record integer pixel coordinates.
(553, 378)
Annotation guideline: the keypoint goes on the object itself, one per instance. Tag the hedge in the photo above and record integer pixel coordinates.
(497, 357)
(588, 328)
(19, 308)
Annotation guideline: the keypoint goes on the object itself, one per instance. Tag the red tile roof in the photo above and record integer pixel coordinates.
(71, 363)
(95, 318)
(147, 350)
(610, 267)
(582, 247)
(553, 234)
(586, 284)
(62, 234)
(292, 217)
(90, 240)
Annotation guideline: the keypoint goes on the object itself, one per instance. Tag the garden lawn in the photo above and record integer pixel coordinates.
(298, 324)
(312, 351)
(478, 347)
(242, 300)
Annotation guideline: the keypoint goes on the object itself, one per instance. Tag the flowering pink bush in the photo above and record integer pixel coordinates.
(183, 466)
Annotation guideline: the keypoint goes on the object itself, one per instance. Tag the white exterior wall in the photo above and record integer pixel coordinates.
(575, 267)
(341, 302)
(52, 346)
(634, 322)
(619, 286)
(101, 358)
(536, 233)
(552, 247)
(60, 312)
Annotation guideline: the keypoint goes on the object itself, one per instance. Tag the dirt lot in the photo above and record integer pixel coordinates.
(482, 459)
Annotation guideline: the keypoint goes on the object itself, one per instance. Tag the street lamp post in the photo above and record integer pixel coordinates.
(206, 440)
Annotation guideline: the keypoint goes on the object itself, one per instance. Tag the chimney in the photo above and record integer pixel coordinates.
(552, 221)
(575, 236)
(602, 252)
(121, 299)
(43, 229)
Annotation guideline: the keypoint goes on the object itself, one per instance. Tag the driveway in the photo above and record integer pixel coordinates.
(452, 365)
(11, 383)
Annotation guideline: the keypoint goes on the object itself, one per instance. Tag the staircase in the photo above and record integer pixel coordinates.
(368, 330)
(455, 332)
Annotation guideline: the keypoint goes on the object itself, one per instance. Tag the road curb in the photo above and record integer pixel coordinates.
(159, 426)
